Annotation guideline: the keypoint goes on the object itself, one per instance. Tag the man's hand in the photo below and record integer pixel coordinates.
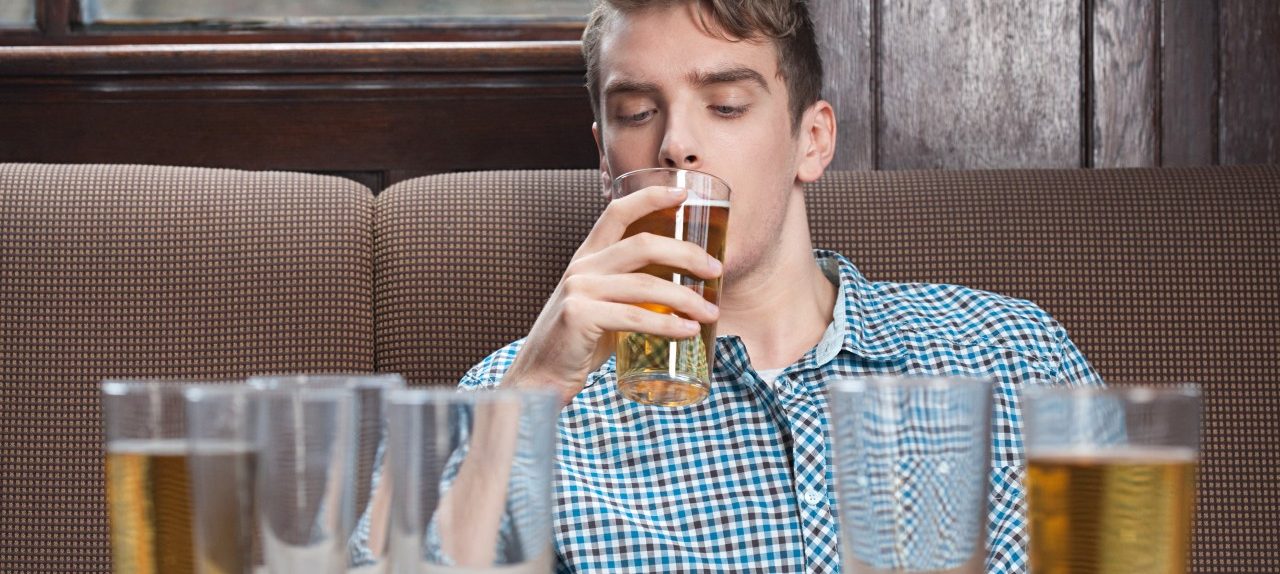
(599, 293)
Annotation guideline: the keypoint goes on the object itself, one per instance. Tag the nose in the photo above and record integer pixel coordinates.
(679, 146)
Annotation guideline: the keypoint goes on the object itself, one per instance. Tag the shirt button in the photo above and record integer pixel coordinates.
(812, 497)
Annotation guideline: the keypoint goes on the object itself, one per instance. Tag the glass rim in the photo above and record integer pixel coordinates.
(452, 395)
(200, 391)
(385, 381)
(1129, 393)
(124, 387)
(307, 393)
(936, 382)
(644, 170)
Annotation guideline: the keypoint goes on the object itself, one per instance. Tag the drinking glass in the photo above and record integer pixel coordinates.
(306, 477)
(223, 459)
(1111, 477)
(656, 370)
(367, 543)
(148, 481)
(912, 458)
(472, 474)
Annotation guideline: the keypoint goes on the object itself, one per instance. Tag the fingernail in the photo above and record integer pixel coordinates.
(691, 325)
(676, 190)
(712, 308)
(716, 266)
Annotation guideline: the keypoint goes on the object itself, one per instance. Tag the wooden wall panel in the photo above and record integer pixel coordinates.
(977, 84)
(365, 110)
(845, 38)
(1249, 131)
(1126, 79)
(1189, 83)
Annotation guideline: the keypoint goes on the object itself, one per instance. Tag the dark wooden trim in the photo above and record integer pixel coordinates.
(418, 31)
(371, 110)
(239, 59)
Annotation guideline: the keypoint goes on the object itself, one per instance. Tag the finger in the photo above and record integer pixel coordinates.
(592, 314)
(640, 288)
(645, 249)
(624, 211)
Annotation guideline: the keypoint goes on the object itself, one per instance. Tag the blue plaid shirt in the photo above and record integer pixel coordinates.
(743, 481)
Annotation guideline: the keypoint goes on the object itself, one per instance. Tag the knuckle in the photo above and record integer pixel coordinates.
(573, 309)
(573, 285)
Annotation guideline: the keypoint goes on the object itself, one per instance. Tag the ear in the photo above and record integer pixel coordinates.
(606, 180)
(817, 142)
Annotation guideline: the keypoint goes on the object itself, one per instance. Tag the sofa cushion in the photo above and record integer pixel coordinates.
(134, 271)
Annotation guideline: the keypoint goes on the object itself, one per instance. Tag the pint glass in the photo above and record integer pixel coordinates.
(913, 463)
(222, 440)
(658, 370)
(1111, 477)
(148, 477)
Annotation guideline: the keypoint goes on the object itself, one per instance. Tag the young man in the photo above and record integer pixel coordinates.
(742, 481)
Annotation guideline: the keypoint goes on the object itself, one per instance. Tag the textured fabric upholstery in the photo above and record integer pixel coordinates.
(1162, 277)
(129, 271)
(465, 262)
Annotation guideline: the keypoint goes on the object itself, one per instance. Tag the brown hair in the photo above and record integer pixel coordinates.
(785, 22)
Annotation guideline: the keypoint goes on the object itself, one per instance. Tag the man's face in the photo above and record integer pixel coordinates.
(673, 95)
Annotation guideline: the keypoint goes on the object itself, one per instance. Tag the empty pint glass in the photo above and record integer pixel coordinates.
(221, 433)
(1111, 478)
(306, 478)
(659, 370)
(913, 464)
(472, 474)
(367, 543)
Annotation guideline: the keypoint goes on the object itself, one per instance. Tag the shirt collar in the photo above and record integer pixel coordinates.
(850, 315)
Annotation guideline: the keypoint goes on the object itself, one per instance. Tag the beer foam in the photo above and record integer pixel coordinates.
(1128, 454)
(154, 447)
(178, 447)
(706, 203)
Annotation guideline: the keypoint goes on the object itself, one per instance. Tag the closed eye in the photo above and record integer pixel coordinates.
(637, 118)
(729, 111)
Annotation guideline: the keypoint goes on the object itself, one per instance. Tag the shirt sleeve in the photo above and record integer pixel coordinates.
(1073, 369)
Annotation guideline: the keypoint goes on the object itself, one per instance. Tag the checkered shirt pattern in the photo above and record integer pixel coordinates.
(743, 481)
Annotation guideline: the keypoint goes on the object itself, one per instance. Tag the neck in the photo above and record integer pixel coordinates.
(783, 304)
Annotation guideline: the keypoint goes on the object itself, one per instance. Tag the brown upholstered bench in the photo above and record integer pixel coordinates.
(1162, 276)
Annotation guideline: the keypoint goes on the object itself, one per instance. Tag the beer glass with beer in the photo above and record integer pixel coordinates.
(656, 370)
(1111, 477)
(221, 433)
(148, 479)
(913, 463)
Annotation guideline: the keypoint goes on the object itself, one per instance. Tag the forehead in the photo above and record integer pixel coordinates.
(671, 44)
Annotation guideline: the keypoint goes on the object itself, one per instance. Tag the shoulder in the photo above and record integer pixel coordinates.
(963, 315)
(489, 371)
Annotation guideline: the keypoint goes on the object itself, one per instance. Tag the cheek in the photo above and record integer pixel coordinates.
(630, 150)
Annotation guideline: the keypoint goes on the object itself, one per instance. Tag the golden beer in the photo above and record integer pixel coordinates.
(149, 504)
(675, 372)
(1125, 511)
(154, 528)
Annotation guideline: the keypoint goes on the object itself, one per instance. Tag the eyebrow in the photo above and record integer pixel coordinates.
(625, 86)
(703, 79)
